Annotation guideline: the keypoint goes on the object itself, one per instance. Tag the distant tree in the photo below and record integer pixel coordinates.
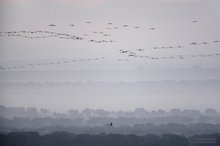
(73, 113)
(139, 112)
(44, 112)
(210, 112)
(175, 112)
(31, 112)
(191, 113)
(87, 113)
(174, 140)
(101, 113)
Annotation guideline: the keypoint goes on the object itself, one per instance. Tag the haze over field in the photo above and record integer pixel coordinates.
(110, 54)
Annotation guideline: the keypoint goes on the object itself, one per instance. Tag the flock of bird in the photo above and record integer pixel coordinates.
(110, 26)
(190, 44)
(135, 53)
(51, 34)
(47, 63)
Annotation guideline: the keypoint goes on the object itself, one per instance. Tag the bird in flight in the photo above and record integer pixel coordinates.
(72, 25)
(140, 50)
(124, 51)
(152, 28)
(205, 43)
(193, 43)
(111, 124)
(88, 22)
(195, 21)
(52, 25)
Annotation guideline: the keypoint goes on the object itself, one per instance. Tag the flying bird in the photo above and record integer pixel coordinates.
(205, 43)
(91, 40)
(140, 50)
(152, 28)
(111, 124)
(52, 25)
(193, 43)
(179, 46)
(124, 51)
(106, 34)
(195, 21)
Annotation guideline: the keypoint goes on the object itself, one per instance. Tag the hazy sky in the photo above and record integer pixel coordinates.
(172, 19)
(161, 34)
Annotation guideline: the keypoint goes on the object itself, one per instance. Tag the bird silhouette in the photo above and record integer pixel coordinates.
(140, 50)
(124, 51)
(179, 46)
(52, 25)
(195, 21)
(193, 43)
(205, 43)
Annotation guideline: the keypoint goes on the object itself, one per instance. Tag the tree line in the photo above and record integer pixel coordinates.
(67, 139)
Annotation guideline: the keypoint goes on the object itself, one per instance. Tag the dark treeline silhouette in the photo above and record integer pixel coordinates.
(45, 126)
(67, 139)
(92, 121)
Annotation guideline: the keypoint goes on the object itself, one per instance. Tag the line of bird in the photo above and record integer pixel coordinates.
(190, 44)
(66, 61)
(50, 34)
(182, 57)
(134, 55)
(104, 58)
(134, 52)
(111, 25)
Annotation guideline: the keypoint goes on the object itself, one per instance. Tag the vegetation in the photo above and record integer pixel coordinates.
(67, 139)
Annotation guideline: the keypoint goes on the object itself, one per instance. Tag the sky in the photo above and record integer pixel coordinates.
(172, 20)
(120, 40)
